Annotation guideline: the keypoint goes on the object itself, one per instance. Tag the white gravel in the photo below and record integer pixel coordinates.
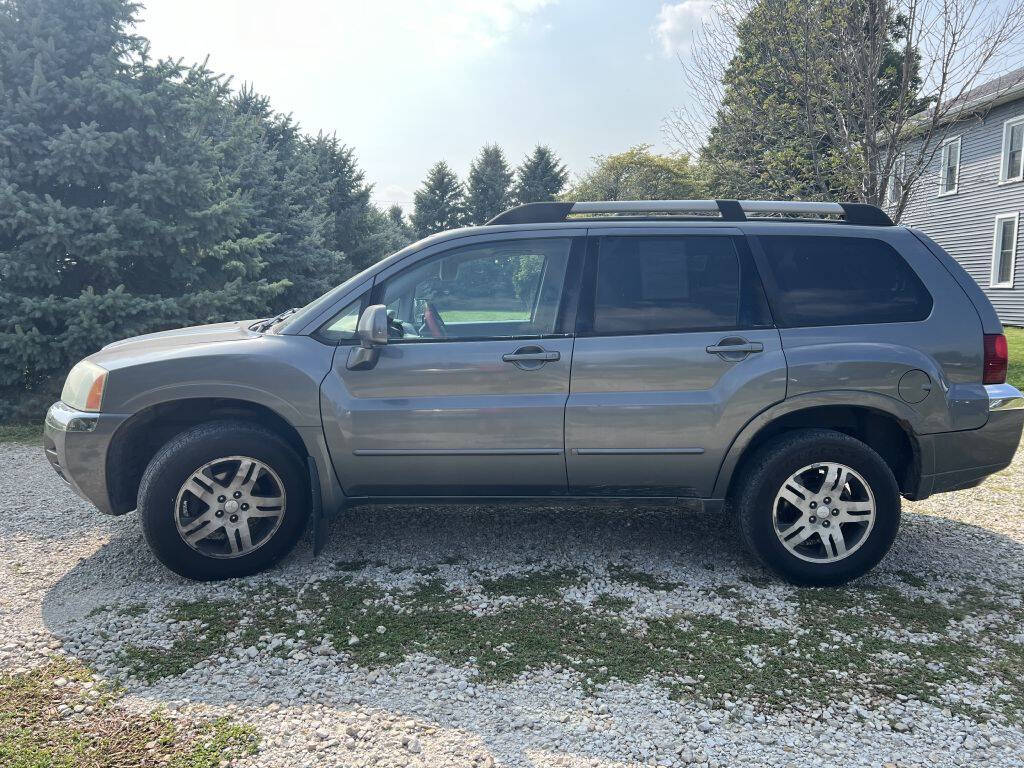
(75, 581)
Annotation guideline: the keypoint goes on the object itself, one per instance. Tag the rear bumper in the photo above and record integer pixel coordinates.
(76, 445)
(963, 459)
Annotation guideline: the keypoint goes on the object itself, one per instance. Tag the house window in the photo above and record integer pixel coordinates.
(895, 189)
(1012, 168)
(1004, 250)
(949, 171)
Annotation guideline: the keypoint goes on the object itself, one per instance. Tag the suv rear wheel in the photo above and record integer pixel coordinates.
(818, 507)
(223, 499)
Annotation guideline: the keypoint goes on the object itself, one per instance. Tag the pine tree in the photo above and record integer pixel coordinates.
(541, 177)
(490, 185)
(120, 211)
(440, 202)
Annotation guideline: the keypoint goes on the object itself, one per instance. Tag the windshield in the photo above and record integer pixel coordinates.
(316, 306)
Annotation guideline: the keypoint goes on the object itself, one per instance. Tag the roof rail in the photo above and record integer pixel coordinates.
(723, 210)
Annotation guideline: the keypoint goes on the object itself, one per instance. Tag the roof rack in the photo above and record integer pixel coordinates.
(722, 210)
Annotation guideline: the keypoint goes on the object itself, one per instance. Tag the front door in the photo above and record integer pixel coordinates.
(468, 396)
(675, 353)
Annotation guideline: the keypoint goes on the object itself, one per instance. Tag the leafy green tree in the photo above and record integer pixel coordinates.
(490, 185)
(540, 178)
(638, 174)
(440, 202)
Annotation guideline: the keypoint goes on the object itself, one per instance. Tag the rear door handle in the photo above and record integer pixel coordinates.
(734, 348)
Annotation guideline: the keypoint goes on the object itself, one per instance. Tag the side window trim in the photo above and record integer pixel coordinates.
(749, 277)
(567, 297)
(318, 334)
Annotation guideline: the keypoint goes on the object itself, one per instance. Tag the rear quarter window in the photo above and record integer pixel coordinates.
(815, 281)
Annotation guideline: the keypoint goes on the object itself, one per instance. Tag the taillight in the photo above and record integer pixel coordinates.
(997, 357)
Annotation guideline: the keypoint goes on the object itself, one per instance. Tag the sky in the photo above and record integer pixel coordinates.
(410, 82)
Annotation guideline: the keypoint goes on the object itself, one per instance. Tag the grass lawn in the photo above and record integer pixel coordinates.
(485, 315)
(1015, 375)
(21, 433)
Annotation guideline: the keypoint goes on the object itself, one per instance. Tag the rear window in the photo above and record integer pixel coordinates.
(816, 281)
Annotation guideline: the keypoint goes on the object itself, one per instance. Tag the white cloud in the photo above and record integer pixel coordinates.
(678, 21)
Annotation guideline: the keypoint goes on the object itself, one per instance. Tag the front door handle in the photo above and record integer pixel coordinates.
(530, 357)
(734, 348)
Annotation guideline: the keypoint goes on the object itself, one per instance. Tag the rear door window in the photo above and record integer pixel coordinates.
(654, 284)
(816, 281)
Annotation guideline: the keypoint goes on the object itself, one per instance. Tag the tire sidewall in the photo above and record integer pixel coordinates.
(779, 466)
(176, 462)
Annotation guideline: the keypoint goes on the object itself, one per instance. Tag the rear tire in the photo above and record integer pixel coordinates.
(817, 506)
(223, 499)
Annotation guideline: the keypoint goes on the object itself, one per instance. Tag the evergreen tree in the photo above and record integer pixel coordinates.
(120, 212)
(541, 177)
(490, 185)
(440, 202)
(638, 174)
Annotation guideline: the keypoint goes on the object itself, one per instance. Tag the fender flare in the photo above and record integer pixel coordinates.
(905, 416)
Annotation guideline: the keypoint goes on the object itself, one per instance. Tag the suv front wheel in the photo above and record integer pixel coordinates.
(223, 499)
(818, 507)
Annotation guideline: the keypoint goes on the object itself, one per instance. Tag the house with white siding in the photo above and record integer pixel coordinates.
(970, 198)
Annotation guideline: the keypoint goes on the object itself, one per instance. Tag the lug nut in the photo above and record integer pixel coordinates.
(233, 518)
(835, 513)
(237, 494)
(813, 505)
(219, 513)
(812, 519)
(827, 500)
(824, 523)
(222, 499)
(246, 506)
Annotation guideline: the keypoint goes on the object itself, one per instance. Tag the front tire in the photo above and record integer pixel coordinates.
(223, 499)
(818, 507)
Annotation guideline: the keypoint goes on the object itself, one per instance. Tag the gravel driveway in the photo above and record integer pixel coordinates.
(554, 636)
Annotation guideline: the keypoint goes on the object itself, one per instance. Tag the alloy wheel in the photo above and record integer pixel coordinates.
(824, 512)
(230, 507)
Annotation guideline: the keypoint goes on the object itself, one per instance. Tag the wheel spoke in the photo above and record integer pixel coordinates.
(245, 475)
(200, 486)
(264, 512)
(798, 536)
(201, 527)
(837, 484)
(790, 493)
(835, 542)
(857, 506)
(244, 536)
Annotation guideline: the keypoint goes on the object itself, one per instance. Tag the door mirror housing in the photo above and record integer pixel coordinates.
(373, 326)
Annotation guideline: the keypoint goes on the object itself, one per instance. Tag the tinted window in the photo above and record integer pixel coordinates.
(841, 281)
(661, 284)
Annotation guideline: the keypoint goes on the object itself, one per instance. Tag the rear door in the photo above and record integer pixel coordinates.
(675, 352)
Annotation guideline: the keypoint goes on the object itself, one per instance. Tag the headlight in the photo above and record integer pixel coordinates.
(83, 389)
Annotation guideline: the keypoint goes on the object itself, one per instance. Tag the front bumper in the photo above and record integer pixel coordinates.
(965, 458)
(76, 445)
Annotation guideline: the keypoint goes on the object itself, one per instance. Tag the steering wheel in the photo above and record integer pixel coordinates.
(432, 321)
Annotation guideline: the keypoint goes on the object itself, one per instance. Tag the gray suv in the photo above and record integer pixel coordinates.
(810, 363)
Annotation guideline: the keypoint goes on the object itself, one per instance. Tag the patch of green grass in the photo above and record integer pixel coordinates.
(912, 579)
(21, 433)
(485, 315)
(34, 733)
(1015, 372)
(625, 575)
(613, 603)
(548, 584)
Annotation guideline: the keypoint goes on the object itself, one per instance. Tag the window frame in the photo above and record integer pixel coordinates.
(942, 166)
(567, 302)
(898, 171)
(1004, 155)
(997, 252)
(747, 271)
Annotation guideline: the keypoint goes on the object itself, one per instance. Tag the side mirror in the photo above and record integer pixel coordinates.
(373, 334)
(373, 326)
